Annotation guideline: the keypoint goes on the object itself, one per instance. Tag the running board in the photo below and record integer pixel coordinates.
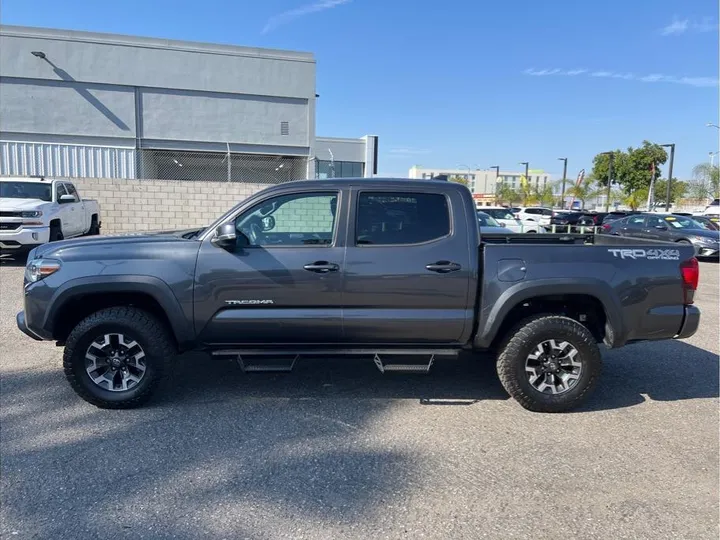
(386, 360)
(403, 368)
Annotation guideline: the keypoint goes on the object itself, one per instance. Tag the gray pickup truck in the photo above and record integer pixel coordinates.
(393, 269)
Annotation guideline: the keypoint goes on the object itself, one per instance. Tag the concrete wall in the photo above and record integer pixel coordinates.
(145, 205)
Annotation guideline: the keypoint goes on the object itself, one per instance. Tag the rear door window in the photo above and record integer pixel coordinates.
(400, 218)
(636, 222)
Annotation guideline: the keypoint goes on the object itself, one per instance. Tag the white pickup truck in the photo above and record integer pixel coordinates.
(34, 211)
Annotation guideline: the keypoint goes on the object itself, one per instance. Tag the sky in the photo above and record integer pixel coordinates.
(465, 83)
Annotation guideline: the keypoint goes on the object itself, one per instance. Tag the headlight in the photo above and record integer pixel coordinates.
(704, 240)
(40, 269)
(32, 214)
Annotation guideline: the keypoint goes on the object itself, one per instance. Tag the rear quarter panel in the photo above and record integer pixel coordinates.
(638, 283)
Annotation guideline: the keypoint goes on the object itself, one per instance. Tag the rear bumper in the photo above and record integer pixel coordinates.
(22, 325)
(690, 324)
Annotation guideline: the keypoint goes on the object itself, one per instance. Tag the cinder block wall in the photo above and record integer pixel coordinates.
(146, 205)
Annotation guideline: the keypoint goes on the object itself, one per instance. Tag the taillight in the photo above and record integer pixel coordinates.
(606, 228)
(690, 271)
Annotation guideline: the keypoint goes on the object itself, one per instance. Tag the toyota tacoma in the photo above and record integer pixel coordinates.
(389, 268)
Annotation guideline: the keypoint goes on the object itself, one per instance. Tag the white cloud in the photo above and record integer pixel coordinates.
(292, 14)
(651, 78)
(681, 26)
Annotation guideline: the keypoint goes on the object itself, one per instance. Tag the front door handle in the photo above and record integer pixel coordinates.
(321, 267)
(443, 267)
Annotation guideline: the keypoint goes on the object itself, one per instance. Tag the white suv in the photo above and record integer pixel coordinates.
(535, 213)
(507, 219)
(713, 208)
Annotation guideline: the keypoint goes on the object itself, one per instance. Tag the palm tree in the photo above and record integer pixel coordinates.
(586, 190)
(637, 198)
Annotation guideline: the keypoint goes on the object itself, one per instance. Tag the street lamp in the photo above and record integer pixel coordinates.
(670, 168)
(710, 124)
(611, 156)
(497, 170)
(562, 197)
(712, 157)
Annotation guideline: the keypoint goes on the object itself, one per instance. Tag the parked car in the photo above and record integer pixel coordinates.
(570, 222)
(669, 228)
(535, 213)
(489, 226)
(381, 266)
(618, 214)
(711, 223)
(34, 211)
(507, 219)
(713, 209)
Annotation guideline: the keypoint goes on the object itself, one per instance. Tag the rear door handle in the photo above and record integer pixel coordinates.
(321, 267)
(443, 267)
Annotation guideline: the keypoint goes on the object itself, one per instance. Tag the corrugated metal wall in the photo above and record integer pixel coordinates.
(65, 160)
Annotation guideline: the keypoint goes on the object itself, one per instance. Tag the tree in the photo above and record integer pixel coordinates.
(678, 189)
(637, 198)
(632, 168)
(506, 194)
(459, 180)
(584, 191)
(544, 195)
(706, 181)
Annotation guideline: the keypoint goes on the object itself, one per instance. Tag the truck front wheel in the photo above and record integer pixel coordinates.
(549, 363)
(114, 358)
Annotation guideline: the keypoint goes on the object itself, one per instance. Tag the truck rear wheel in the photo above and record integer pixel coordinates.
(115, 358)
(549, 363)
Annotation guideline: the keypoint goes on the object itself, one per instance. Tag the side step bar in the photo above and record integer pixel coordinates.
(386, 360)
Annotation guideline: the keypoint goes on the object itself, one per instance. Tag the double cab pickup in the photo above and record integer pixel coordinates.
(393, 269)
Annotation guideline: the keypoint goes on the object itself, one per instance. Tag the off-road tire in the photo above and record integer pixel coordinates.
(148, 331)
(56, 233)
(520, 342)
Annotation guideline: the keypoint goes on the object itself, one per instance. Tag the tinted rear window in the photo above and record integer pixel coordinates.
(401, 218)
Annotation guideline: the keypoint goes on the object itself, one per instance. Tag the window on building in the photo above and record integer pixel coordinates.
(300, 219)
(401, 218)
(338, 169)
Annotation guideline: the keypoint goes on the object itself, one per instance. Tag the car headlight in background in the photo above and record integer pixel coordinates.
(40, 269)
(31, 217)
(704, 240)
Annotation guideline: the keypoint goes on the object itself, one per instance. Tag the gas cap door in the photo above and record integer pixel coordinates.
(511, 270)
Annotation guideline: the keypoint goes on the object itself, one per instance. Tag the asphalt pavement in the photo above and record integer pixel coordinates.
(336, 450)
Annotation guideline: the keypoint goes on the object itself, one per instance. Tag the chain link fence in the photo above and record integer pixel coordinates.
(221, 167)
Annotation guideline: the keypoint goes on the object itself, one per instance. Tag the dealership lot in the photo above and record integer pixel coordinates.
(337, 450)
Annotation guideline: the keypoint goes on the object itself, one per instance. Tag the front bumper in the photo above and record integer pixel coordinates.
(22, 325)
(690, 324)
(24, 238)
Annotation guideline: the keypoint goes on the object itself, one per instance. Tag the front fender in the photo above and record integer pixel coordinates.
(152, 286)
(496, 310)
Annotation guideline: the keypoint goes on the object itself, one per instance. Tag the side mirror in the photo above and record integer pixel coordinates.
(64, 199)
(225, 236)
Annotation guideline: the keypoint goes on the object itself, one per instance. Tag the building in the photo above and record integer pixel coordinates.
(80, 104)
(484, 184)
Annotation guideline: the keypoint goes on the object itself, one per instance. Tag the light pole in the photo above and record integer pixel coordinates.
(670, 168)
(611, 156)
(562, 197)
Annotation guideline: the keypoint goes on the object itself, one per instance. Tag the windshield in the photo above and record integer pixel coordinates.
(486, 221)
(26, 190)
(680, 222)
